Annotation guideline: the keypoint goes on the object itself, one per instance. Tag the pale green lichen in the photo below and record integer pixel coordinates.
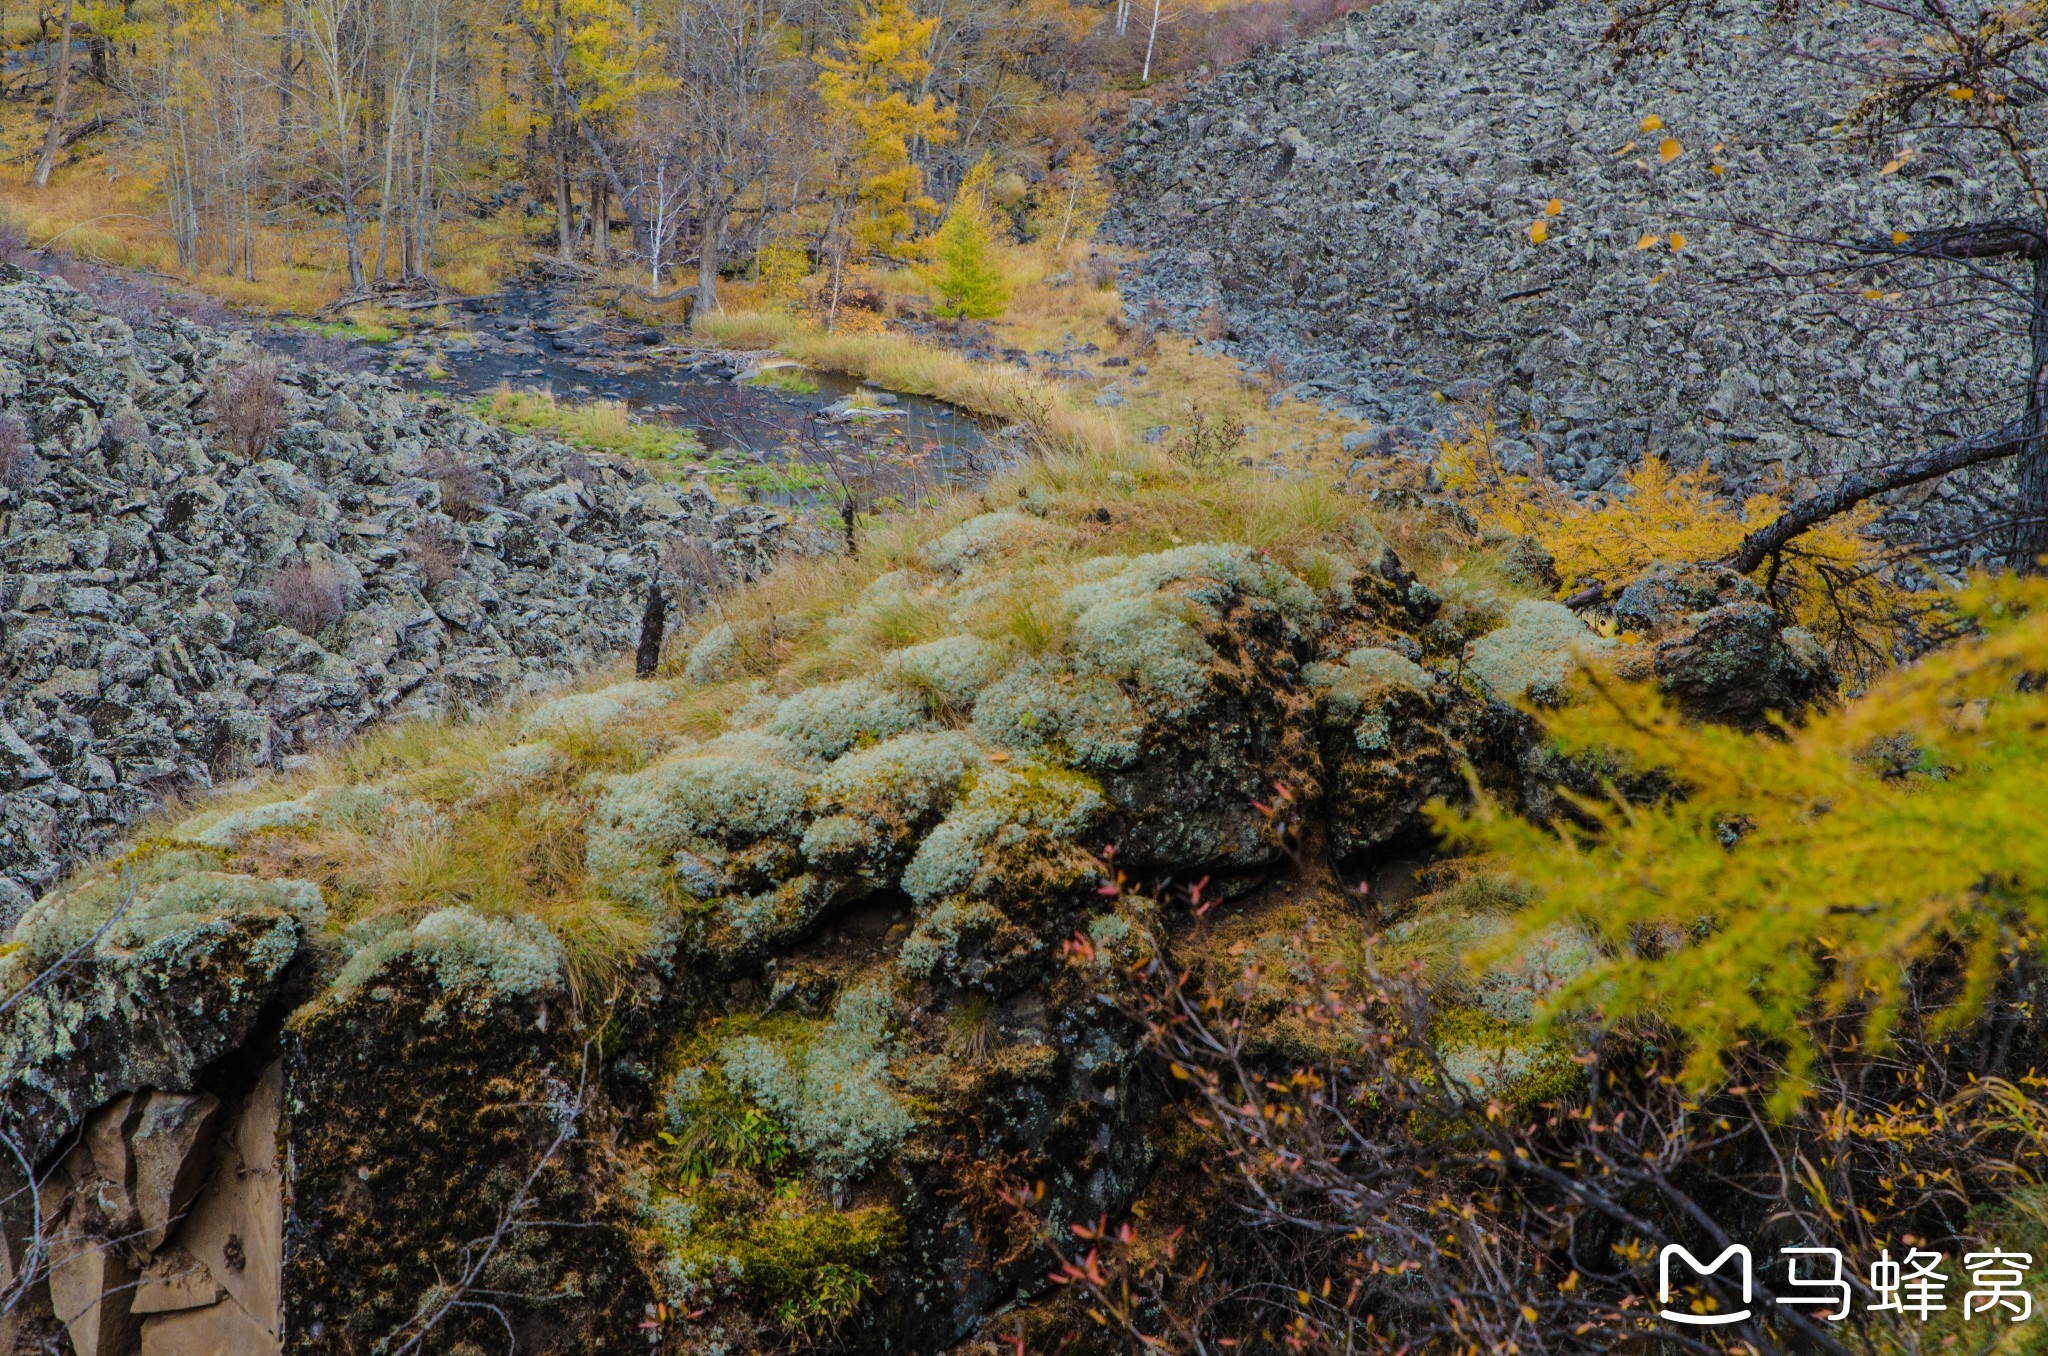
(226, 828)
(886, 793)
(1389, 666)
(1059, 803)
(477, 958)
(694, 804)
(1513, 991)
(980, 540)
(830, 1084)
(367, 809)
(520, 765)
(715, 657)
(1037, 708)
(1237, 568)
(162, 894)
(593, 710)
(933, 946)
(1357, 692)
(912, 775)
(1148, 642)
(950, 672)
(1532, 654)
(827, 721)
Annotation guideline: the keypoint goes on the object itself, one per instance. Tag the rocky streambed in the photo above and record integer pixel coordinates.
(206, 574)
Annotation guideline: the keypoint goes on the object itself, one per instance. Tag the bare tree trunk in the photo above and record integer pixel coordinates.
(423, 203)
(600, 223)
(61, 81)
(2030, 532)
(707, 264)
(565, 226)
(1151, 41)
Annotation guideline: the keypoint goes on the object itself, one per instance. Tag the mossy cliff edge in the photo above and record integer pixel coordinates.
(717, 1011)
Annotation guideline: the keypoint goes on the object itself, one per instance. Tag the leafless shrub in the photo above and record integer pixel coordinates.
(466, 488)
(1206, 443)
(699, 571)
(1099, 272)
(438, 554)
(248, 407)
(14, 244)
(130, 430)
(339, 354)
(1273, 374)
(309, 598)
(1212, 324)
(19, 465)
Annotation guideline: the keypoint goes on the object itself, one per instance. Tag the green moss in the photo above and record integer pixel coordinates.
(827, 721)
(808, 1264)
(1493, 1058)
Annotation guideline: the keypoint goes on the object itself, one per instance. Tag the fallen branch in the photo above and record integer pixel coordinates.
(1810, 512)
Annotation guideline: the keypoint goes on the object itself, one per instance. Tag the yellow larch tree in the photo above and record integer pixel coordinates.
(868, 82)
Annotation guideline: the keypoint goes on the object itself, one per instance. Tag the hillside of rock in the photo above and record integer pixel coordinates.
(1359, 207)
(730, 1010)
(178, 610)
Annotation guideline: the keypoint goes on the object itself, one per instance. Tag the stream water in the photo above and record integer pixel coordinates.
(778, 442)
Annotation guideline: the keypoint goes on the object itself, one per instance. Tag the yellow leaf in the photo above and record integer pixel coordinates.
(1668, 149)
(1720, 169)
(1872, 294)
(1626, 149)
(1529, 1312)
(1539, 231)
(1647, 242)
(1717, 150)
(1898, 237)
(1653, 123)
(1962, 94)
(1677, 242)
(1553, 207)
(1571, 1283)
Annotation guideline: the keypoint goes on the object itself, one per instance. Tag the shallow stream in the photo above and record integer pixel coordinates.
(771, 436)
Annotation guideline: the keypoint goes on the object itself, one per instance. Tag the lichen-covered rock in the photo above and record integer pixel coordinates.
(119, 1018)
(1719, 647)
(1533, 654)
(147, 612)
(440, 1133)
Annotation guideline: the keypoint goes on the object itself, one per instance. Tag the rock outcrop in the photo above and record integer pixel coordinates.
(738, 1008)
(1360, 205)
(177, 611)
